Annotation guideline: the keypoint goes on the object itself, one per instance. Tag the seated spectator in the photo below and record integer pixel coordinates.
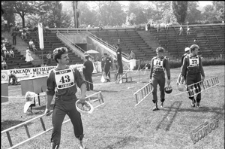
(14, 79)
(7, 53)
(34, 48)
(49, 57)
(31, 44)
(132, 55)
(11, 53)
(4, 50)
(4, 65)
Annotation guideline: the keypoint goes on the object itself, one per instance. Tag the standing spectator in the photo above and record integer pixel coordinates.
(119, 62)
(11, 53)
(188, 30)
(31, 44)
(49, 58)
(28, 55)
(181, 30)
(106, 64)
(87, 71)
(14, 34)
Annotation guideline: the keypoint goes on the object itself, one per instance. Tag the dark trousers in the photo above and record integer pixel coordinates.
(161, 81)
(107, 72)
(61, 108)
(191, 79)
(88, 77)
(14, 40)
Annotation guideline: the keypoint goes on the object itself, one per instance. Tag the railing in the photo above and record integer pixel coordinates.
(126, 56)
(80, 52)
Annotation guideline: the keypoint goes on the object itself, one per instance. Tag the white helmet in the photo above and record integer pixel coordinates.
(181, 87)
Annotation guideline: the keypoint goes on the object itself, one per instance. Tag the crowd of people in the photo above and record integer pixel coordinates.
(7, 51)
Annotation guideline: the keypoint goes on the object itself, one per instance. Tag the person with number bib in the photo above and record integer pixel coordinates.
(192, 68)
(62, 82)
(157, 75)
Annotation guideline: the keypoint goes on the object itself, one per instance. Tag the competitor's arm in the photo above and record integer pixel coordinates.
(167, 67)
(151, 69)
(183, 69)
(201, 69)
(80, 83)
(50, 91)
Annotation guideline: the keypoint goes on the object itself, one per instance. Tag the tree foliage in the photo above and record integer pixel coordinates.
(180, 10)
(21, 7)
(193, 14)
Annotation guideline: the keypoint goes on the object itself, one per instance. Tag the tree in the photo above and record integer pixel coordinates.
(75, 13)
(110, 13)
(180, 10)
(8, 13)
(22, 8)
(193, 14)
(137, 9)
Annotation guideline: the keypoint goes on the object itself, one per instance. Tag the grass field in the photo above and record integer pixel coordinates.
(118, 125)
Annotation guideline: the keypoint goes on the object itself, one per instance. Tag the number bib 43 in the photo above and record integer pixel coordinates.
(158, 63)
(64, 78)
(194, 61)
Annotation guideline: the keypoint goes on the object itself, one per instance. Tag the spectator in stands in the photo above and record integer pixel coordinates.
(158, 27)
(11, 53)
(181, 30)
(10, 27)
(28, 56)
(132, 55)
(24, 35)
(4, 50)
(87, 71)
(49, 58)
(188, 30)
(14, 79)
(166, 26)
(5, 25)
(4, 65)
(7, 53)
(31, 44)
(14, 34)
(34, 48)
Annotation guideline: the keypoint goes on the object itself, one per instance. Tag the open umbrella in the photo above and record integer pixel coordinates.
(92, 52)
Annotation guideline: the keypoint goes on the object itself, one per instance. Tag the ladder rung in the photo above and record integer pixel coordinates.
(27, 131)
(9, 138)
(36, 136)
(42, 123)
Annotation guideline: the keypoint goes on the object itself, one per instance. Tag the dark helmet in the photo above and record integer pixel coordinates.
(168, 89)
